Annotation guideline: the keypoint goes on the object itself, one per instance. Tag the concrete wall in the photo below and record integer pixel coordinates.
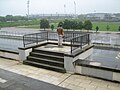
(69, 64)
(9, 55)
(116, 76)
(24, 53)
(86, 54)
(99, 73)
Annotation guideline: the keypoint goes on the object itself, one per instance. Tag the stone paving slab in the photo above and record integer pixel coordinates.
(26, 73)
(19, 82)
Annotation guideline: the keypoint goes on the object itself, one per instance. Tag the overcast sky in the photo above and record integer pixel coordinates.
(19, 7)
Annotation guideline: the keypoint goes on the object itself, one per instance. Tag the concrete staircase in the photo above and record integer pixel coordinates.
(46, 59)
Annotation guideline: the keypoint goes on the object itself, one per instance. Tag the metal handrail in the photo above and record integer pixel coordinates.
(79, 41)
(76, 39)
(34, 38)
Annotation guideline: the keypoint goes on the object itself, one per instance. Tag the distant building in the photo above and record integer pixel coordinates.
(91, 16)
(53, 16)
(102, 17)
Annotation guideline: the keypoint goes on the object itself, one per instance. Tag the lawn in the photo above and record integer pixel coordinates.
(102, 26)
(30, 26)
(35, 24)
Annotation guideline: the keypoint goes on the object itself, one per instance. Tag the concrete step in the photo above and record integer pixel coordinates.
(48, 52)
(46, 66)
(47, 61)
(47, 56)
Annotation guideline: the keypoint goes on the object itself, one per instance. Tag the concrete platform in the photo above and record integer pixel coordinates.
(55, 48)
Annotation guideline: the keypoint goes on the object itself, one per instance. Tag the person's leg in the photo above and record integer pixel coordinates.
(58, 40)
(61, 40)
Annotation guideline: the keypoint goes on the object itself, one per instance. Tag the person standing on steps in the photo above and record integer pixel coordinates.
(60, 33)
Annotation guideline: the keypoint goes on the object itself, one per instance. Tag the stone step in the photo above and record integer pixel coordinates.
(45, 61)
(47, 56)
(37, 50)
(54, 68)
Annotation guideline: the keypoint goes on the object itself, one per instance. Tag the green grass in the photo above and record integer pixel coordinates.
(102, 26)
(21, 23)
(35, 24)
(30, 26)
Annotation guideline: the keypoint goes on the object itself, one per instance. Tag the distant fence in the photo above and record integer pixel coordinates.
(106, 39)
(10, 33)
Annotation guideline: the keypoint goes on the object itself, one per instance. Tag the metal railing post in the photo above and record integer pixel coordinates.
(47, 35)
(71, 46)
(36, 38)
(73, 35)
(81, 41)
(23, 41)
(88, 39)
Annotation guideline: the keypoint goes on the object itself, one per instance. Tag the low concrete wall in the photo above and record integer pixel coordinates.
(86, 54)
(98, 72)
(23, 53)
(116, 76)
(69, 64)
(8, 54)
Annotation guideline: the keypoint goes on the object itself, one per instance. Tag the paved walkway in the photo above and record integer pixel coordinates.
(13, 81)
(70, 81)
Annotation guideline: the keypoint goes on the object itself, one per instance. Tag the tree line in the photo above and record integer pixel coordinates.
(72, 24)
(68, 24)
(11, 18)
